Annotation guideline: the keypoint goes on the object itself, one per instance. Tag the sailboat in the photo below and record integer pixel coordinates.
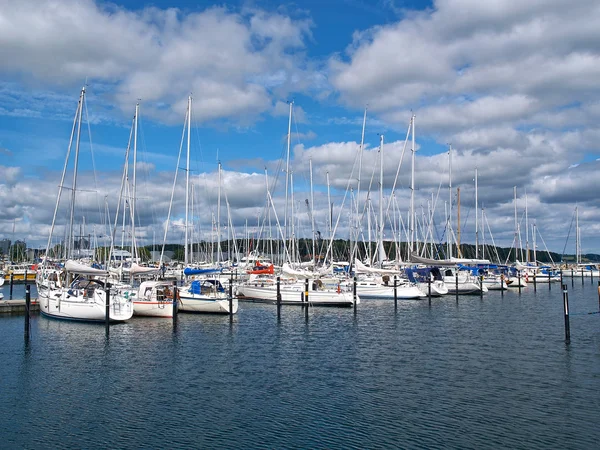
(77, 291)
(151, 298)
(204, 295)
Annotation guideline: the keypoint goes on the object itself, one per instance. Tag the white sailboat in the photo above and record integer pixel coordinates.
(207, 295)
(78, 292)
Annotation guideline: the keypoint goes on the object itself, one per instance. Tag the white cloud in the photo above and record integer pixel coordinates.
(157, 55)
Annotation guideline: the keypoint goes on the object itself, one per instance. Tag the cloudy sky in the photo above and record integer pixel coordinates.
(513, 86)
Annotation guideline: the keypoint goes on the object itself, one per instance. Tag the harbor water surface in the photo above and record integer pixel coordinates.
(478, 373)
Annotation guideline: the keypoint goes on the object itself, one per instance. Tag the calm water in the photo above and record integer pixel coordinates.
(488, 373)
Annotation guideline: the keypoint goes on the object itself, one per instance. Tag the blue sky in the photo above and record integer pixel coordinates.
(517, 99)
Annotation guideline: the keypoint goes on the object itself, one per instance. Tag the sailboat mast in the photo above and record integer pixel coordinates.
(458, 252)
(219, 214)
(526, 230)
(329, 206)
(133, 195)
(577, 237)
(287, 174)
(412, 190)
(360, 156)
(187, 181)
(533, 230)
(192, 230)
(516, 222)
(476, 219)
(293, 230)
(380, 240)
(312, 215)
(449, 228)
(74, 189)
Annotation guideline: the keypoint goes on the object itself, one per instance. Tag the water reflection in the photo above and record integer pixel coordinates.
(477, 373)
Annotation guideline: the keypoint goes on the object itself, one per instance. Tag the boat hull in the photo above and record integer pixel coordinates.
(153, 309)
(295, 295)
(61, 305)
(208, 305)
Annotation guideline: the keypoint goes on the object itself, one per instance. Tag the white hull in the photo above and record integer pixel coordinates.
(294, 294)
(495, 285)
(206, 304)
(579, 273)
(1, 280)
(153, 309)
(514, 282)
(438, 288)
(59, 304)
(465, 287)
(380, 292)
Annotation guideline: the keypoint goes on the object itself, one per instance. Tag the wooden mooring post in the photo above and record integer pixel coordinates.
(12, 280)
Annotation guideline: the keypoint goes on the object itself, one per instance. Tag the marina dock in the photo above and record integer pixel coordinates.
(17, 306)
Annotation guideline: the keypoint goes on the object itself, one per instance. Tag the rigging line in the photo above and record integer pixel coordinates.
(562, 257)
(400, 163)
(545, 246)
(162, 251)
(92, 153)
(146, 172)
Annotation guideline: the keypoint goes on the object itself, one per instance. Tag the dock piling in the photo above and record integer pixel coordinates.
(278, 297)
(429, 288)
(481, 286)
(456, 283)
(27, 311)
(107, 309)
(306, 297)
(395, 292)
(566, 313)
(354, 296)
(231, 297)
(175, 300)
(12, 280)
(519, 278)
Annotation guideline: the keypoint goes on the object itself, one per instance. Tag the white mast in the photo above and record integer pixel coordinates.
(412, 190)
(219, 215)
(293, 230)
(74, 188)
(533, 230)
(287, 173)
(360, 156)
(312, 215)
(329, 207)
(476, 219)
(526, 230)
(577, 237)
(135, 125)
(449, 227)
(187, 180)
(516, 222)
(193, 226)
(380, 240)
